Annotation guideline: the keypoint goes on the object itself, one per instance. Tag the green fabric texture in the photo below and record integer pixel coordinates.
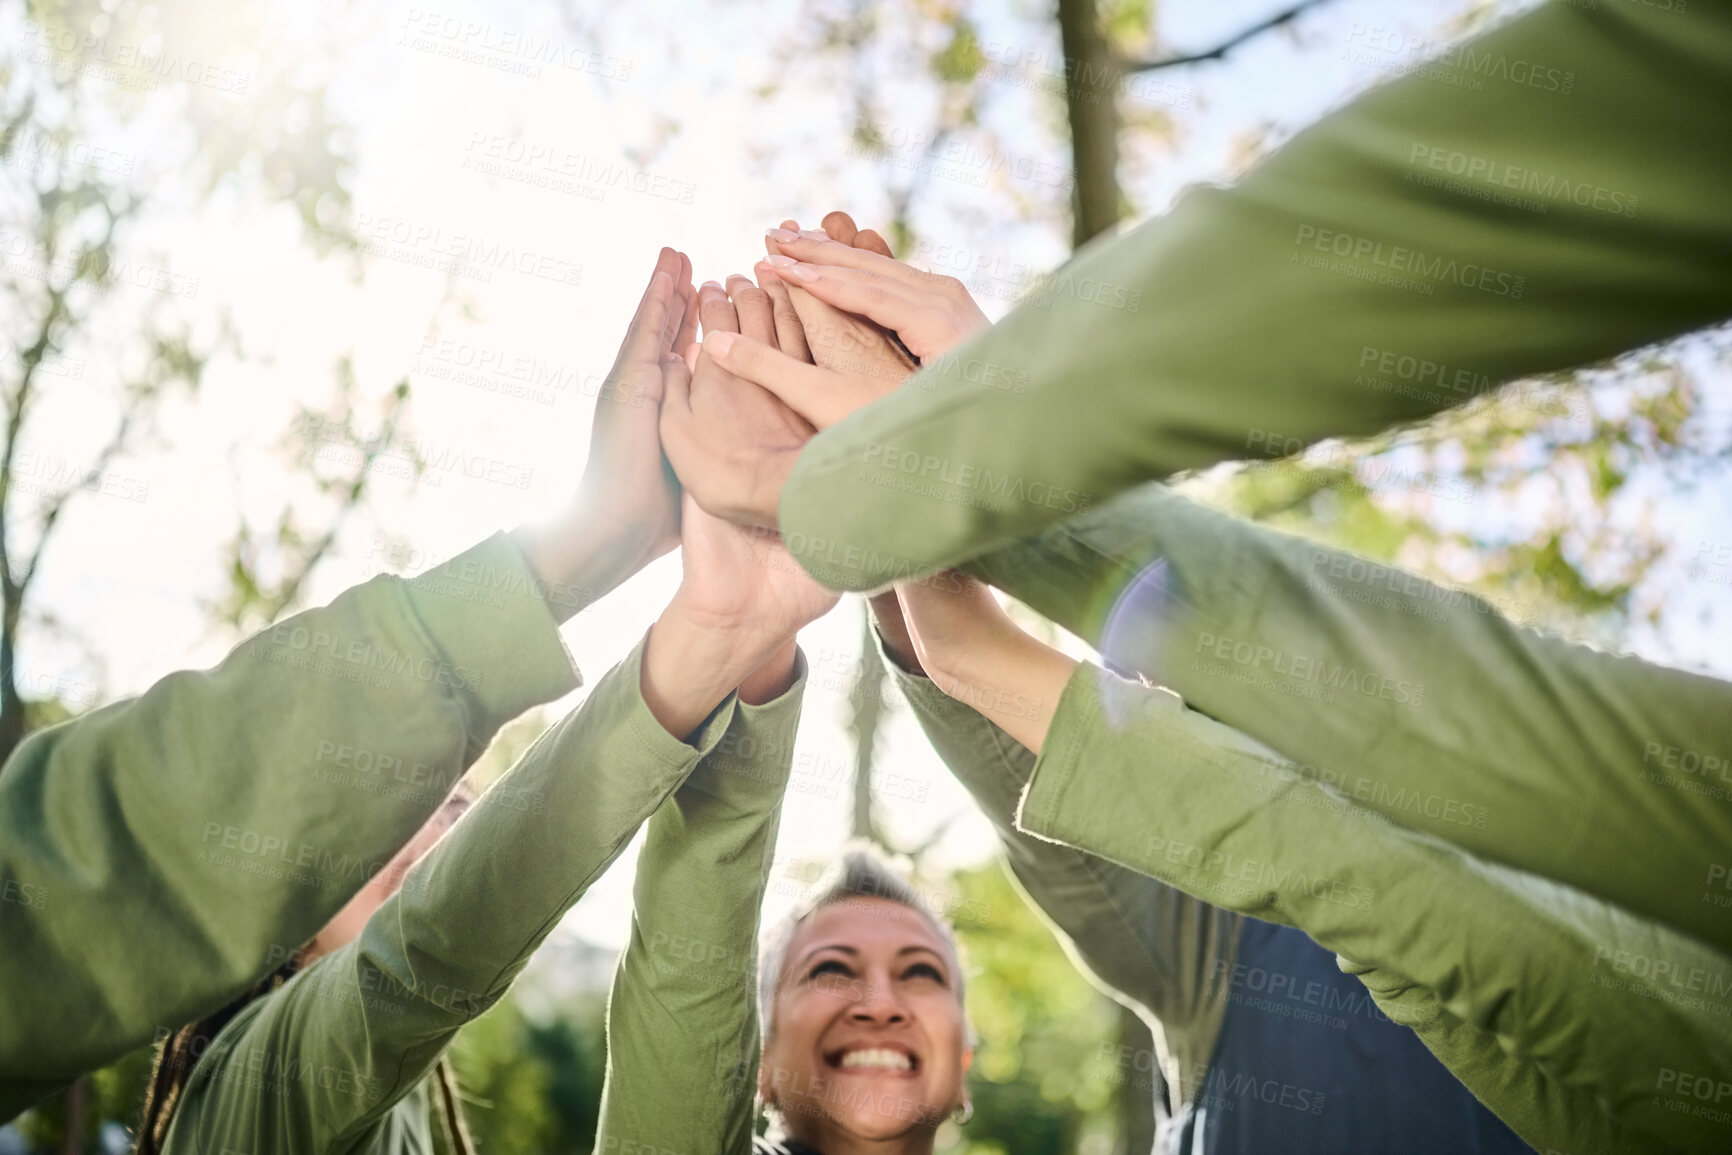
(1415, 700)
(1260, 315)
(331, 1063)
(682, 1023)
(1146, 944)
(1582, 1026)
(172, 846)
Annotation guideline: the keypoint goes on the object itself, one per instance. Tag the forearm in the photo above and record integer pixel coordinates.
(690, 664)
(1014, 682)
(328, 738)
(977, 655)
(1131, 774)
(446, 946)
(1351, 281)
(682, 1024)
(1517, 743)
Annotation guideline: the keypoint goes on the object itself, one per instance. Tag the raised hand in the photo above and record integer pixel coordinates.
(847, 304)
(834, 362)
(836, 334)
(626, 512)
(742, 597)
(742, 579)
(852, 271)
(731, 443)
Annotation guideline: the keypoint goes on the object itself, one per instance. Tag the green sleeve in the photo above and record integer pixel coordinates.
(1543, 196)
(1162, 952)
(682, 1022)
(1583, 1027)
(347, 1039)
(160, 853)
(1415, 700)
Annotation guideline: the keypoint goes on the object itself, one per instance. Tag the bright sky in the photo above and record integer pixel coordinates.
(437, 142)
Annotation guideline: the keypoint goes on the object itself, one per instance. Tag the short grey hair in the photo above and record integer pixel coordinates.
(860, 872)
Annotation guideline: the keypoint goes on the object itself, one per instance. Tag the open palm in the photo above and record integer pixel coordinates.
(743, 577)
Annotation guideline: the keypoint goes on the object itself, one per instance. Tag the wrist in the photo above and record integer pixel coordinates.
(892, 628)
(971, 658)
(687, 670)
(772, 679)
(585, 553)
(694, 659)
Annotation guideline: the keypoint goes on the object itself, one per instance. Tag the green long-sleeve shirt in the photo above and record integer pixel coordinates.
(336, 1060)
(1542, 196)
(1420, 702)
(160, 854)
(682, 1022)
(1586, 1028)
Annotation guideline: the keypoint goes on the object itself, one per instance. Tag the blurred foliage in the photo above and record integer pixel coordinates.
(112, 1098)
(533, 1088)
(1542, 497)
(118, 122)
(1038, 1083)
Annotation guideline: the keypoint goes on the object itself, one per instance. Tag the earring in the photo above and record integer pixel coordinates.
(963, 1113)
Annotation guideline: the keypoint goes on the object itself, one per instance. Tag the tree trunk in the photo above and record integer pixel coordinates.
(12, 723)
(1091, 101)
(867, 701)
(77, 1095)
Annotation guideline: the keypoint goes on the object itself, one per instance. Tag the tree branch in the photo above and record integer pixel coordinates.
(57, 504)
(1220, 51)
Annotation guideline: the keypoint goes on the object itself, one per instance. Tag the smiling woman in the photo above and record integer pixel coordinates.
(860, 993)
(865, 1036)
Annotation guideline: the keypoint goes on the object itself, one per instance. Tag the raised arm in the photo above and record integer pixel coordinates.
(1543, 1000)
(682, 1022)
(1416, 700)
(362, 1027)
(1154, 947)
(1569, 1017)
(168, 846)
(682, 1017)
(1539, 197)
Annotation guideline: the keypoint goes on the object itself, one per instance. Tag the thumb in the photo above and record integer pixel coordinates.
(676, 412)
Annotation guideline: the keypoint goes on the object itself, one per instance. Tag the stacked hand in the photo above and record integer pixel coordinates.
(859, 308)
(626, 512)
(743, 597)
(833, 324)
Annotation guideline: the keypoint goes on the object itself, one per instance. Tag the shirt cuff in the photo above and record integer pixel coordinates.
(709, 736)
(752, 763)
(922, 692)
(1046, 807)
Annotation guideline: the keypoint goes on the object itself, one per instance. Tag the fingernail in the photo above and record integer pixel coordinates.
(780, 262)
(815, 234)
(781, 235)
(719, 343)
(807, 273)
(716, 285)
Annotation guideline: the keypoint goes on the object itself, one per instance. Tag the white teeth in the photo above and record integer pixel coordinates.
(878, 1057)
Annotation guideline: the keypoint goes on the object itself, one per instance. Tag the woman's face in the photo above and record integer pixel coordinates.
(867, 1038)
